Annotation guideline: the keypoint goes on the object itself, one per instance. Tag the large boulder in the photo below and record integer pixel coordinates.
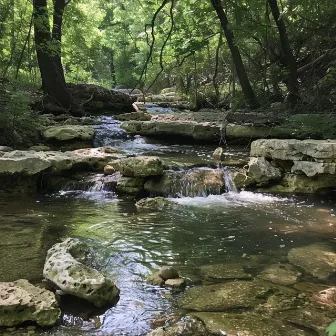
(69, 132)
(318, 260)
(139, 166)
(97, 99)
(66, 267)
(22, 302)
(23, 162)
(263, 171)
(191, 183)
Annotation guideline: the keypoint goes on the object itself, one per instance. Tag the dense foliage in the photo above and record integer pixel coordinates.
(132, 44)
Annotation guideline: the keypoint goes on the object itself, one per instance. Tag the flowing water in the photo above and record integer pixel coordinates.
(130, 244)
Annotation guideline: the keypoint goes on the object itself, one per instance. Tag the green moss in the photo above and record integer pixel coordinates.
(315, 126)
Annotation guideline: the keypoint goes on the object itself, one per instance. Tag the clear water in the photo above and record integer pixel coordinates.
(130, 244)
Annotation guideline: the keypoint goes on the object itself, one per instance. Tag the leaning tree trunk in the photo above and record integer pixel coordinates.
(293, 90)
(49, 58)
(248, 92)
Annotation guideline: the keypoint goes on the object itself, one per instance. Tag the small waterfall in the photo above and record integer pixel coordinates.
(197, 182)
(230, 185)
(93, 183)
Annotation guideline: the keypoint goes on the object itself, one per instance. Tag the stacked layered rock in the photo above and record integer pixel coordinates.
(26, 168)
(293, 166)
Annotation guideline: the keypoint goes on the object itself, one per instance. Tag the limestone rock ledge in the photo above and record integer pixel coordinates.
(20, 302)
(65, 267)
(293, 166)
(34, 162)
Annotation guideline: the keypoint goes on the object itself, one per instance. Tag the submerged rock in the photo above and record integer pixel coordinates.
(219, 272)
(139, 166)
(282, 274)
(243, 324)
(188, 326)
(225, 296)
(318, 260)
(308, 318)
(69, 132)
(157, 203)
(65, 267)
(21, 302)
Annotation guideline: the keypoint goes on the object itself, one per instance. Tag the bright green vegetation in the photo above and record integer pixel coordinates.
(274, 49)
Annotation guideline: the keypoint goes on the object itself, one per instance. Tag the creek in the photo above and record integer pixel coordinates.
(130, 245)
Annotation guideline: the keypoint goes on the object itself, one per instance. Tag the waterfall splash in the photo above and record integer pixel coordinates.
(230, 185)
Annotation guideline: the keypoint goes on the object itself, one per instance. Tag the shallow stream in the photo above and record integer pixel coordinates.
(129, 244)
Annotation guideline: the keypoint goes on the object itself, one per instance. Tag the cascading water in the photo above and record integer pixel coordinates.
(230, 185)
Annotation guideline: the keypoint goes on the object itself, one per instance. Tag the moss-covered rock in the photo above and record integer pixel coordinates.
(220, 272)
(69, 132)
(282, 274)
(139, 166)
(225, 296)
(318, 260)
(130, 185)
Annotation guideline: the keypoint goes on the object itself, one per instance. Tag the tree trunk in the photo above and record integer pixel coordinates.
(293, 90)
(248, 92)
(49, 59)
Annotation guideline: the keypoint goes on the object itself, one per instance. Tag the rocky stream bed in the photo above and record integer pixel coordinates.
(247, 232)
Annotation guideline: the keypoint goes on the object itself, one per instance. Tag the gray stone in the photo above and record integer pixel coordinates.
(34, 162)
(178, 283)
(168, 272)
(295, 150)
(69, 132)
(39, 148)
(262, 171)
(282, 274)
(130, 185)
(139, 166)
(317, 259)
(219, 272)
(155, 280)
(65, 268)
(5, 149)
(21, 302)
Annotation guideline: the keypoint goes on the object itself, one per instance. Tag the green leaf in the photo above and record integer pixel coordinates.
(331, 330)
